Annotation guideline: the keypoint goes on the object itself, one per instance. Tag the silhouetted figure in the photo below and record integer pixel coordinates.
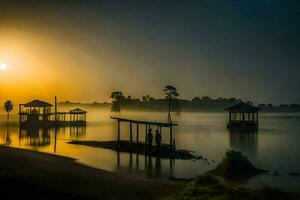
(157, 139)
(150, 139)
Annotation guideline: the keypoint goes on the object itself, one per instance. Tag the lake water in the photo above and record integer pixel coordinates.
(276, 146)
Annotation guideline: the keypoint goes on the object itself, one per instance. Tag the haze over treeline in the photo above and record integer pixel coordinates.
(196, 104)
(83, 50)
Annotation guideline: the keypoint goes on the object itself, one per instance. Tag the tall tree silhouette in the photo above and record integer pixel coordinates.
(8, 107)
(117, 98)
(171, 93)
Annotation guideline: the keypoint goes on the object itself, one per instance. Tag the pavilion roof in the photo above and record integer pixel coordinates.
(78, 111)
(37, 103)
(162, 124)
(243, 107)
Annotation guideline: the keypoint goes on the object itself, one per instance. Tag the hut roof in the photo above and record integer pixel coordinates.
(37, 103)
(77, 111)
(243, 107)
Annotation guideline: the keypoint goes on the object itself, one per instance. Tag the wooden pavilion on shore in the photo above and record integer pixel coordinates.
(39, 114)
(243, 116)
(148, 125)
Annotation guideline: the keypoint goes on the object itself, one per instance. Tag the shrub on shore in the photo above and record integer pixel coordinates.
(236, 166)
(213, 186)
(210, 187)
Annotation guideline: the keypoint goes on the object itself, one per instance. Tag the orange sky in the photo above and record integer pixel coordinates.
(84, 51)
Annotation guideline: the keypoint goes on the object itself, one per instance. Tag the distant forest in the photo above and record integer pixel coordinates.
(197, 104)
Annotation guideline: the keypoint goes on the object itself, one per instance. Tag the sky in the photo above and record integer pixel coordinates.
(82, 50)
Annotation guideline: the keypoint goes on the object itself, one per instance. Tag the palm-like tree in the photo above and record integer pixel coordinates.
(171, 93)
(8, 107)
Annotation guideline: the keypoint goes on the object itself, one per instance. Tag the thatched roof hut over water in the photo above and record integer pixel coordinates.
(243, 116)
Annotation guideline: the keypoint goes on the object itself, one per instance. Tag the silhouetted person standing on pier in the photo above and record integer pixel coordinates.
(157, 139)
(150, 139)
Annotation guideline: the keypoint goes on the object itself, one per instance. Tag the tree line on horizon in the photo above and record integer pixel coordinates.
(196, 104)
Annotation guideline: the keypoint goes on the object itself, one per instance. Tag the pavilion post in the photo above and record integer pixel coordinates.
(119, 131)
(130, 127)
(137, 132)
(171, 136)
(55, 114)
(20, 115)
(146, 131)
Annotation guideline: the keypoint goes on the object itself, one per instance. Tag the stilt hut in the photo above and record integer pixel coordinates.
(39, 114)
(78, 116)
(35, 112)
(243, 116)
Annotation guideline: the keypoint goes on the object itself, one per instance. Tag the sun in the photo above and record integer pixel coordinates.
(3, 66)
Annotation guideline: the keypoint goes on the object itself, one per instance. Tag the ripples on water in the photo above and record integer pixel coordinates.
(276, 146)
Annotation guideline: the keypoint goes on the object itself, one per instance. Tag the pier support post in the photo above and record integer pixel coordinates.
(20, 115)
(55, 114)
(130, 126)
(146, 131)
(171, 136)
(119, 131)
(256, 119)
(137, 132)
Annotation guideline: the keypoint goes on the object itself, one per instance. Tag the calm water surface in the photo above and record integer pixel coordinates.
(276, 146)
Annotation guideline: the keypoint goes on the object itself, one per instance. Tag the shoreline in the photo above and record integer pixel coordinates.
(35, 174)
(140, 148)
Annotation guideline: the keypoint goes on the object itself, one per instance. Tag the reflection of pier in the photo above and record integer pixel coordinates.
(245, 141)
(39, 114)
(152, 166)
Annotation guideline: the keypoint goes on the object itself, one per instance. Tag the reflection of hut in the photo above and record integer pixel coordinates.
(78, 116)
(77, 132)
(243, 116)
(245, 141)
(35, 112)
(35, 137)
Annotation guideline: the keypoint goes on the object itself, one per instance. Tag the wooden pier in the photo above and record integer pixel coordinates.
(39, 114)
(148, 125)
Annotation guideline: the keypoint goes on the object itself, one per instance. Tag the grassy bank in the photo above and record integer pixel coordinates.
(211, 187)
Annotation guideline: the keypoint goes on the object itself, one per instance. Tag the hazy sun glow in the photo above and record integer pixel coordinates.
(3, 66)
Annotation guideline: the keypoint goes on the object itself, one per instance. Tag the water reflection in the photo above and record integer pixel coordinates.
(77, 132)
(8, 139)
(275, 147)
(35, 137)
(245, 141)
(41, 137)
(152, 165)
